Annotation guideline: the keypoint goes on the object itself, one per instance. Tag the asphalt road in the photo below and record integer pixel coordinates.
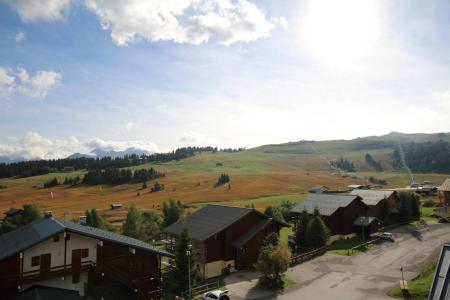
(365, 276)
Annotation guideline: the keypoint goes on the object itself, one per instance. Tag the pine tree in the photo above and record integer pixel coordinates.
(317, 233)
(181, 270)
(131, 227)
(301, 229)
(172, 212)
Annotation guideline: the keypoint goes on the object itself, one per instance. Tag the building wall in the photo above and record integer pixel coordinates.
(56, 249)
(219, 247)
(444, 196)
(63, 284)
(215, 268)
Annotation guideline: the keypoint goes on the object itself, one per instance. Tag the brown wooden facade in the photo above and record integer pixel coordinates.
(341, 221)
(383, 207)
(220, 246)
(136, 270)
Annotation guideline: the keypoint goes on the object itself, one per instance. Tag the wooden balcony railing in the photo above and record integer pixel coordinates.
(39, 275)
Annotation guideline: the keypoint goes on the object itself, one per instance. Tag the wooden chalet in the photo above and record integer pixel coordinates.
(444, 192)
(52, 253)
(224, 237)
(339, 212)
(380, 202)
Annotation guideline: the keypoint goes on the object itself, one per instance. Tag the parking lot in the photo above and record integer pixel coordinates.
(368, 275)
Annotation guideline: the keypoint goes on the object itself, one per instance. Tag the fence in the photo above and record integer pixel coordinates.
(297, 259)
(351, 250)
(200, 289)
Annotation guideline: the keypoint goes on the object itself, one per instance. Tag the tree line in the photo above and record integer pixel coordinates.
(376, 165)
(424, 157)
(343, 164)
(120, 176)
(40, 167)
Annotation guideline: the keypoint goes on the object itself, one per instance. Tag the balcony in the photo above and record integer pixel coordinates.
(40, 275)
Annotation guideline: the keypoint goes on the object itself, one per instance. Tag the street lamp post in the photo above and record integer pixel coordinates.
(188, 254)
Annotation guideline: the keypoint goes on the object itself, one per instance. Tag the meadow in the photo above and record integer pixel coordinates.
(262, 176)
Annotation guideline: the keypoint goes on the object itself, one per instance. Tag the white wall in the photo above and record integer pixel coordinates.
(56, 249)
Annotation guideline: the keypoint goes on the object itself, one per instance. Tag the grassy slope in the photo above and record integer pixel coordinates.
(263, 176)
(419, 288)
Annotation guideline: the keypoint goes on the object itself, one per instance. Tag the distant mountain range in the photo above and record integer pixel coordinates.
(100, 153)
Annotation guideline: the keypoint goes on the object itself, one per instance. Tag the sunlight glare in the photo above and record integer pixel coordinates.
(339, 33)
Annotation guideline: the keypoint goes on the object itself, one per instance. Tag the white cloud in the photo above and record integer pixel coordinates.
(37, 10)
(34, 146)
(20, 36)
(181, 21)
(19, 81)
(193, 138)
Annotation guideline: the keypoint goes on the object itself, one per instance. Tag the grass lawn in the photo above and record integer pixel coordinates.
(287, 282)
(285, 232)
(427, 212)
(419, 288)
(343, 246)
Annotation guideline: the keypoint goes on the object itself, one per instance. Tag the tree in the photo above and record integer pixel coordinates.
(29, 214)
(51, 183)
(172, 211)
(223, 178)
(409, 205)
(275, 213)
(317, 233)
(301, 229)
(157, 187)
(405, 208)
(272, 262)
(144, 185)
(150, 227)
(94, 219)
(272, 239)
(183, 264)
(131, 227)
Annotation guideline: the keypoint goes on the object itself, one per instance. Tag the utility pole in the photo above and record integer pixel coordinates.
(188, 254)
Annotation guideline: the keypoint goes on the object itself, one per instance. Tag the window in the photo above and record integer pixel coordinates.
(56, 238)
(35, 261)
(67, 236)
(84, 253)
(76, 278)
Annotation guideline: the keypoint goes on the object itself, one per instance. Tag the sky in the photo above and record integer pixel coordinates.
(157, 75)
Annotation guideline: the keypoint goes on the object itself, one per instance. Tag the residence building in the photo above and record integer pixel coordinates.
(339, 212)
(444, 192)
(53, 256)
(224, 237)
(380, 202)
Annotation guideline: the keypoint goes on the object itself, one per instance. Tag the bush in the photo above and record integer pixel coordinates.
(223, 178)
(428, 203)
(157, 187)
(51, 183)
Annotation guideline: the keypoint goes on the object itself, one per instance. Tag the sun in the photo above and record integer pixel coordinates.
(341, 32)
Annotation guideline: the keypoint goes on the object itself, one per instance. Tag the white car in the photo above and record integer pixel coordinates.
(387, 236)
(216, 295)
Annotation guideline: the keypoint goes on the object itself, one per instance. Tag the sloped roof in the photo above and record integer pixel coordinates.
(243, 239)
(364, 221)
(327, 203)
(48, 293)
(372, 197)
(445, 187)
(209, 220)
(42, 229)
(441, 283)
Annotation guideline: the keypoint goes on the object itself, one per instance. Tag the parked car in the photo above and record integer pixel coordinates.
(387, 236)
(216, 295)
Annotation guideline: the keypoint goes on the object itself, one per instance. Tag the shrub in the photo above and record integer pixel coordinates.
(428, 203)
(223, 178)
(51, 183)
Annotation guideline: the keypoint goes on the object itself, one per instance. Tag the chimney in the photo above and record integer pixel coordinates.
(48, 214)
(82, 220)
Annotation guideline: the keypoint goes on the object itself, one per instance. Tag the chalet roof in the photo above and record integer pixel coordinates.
(49, 293)
(327, 203)
(440, 288)
(364, 221)
(445, 187)
(42, 229)
(372, 197)
(209, 220)
(13, 211)
(243, 239)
